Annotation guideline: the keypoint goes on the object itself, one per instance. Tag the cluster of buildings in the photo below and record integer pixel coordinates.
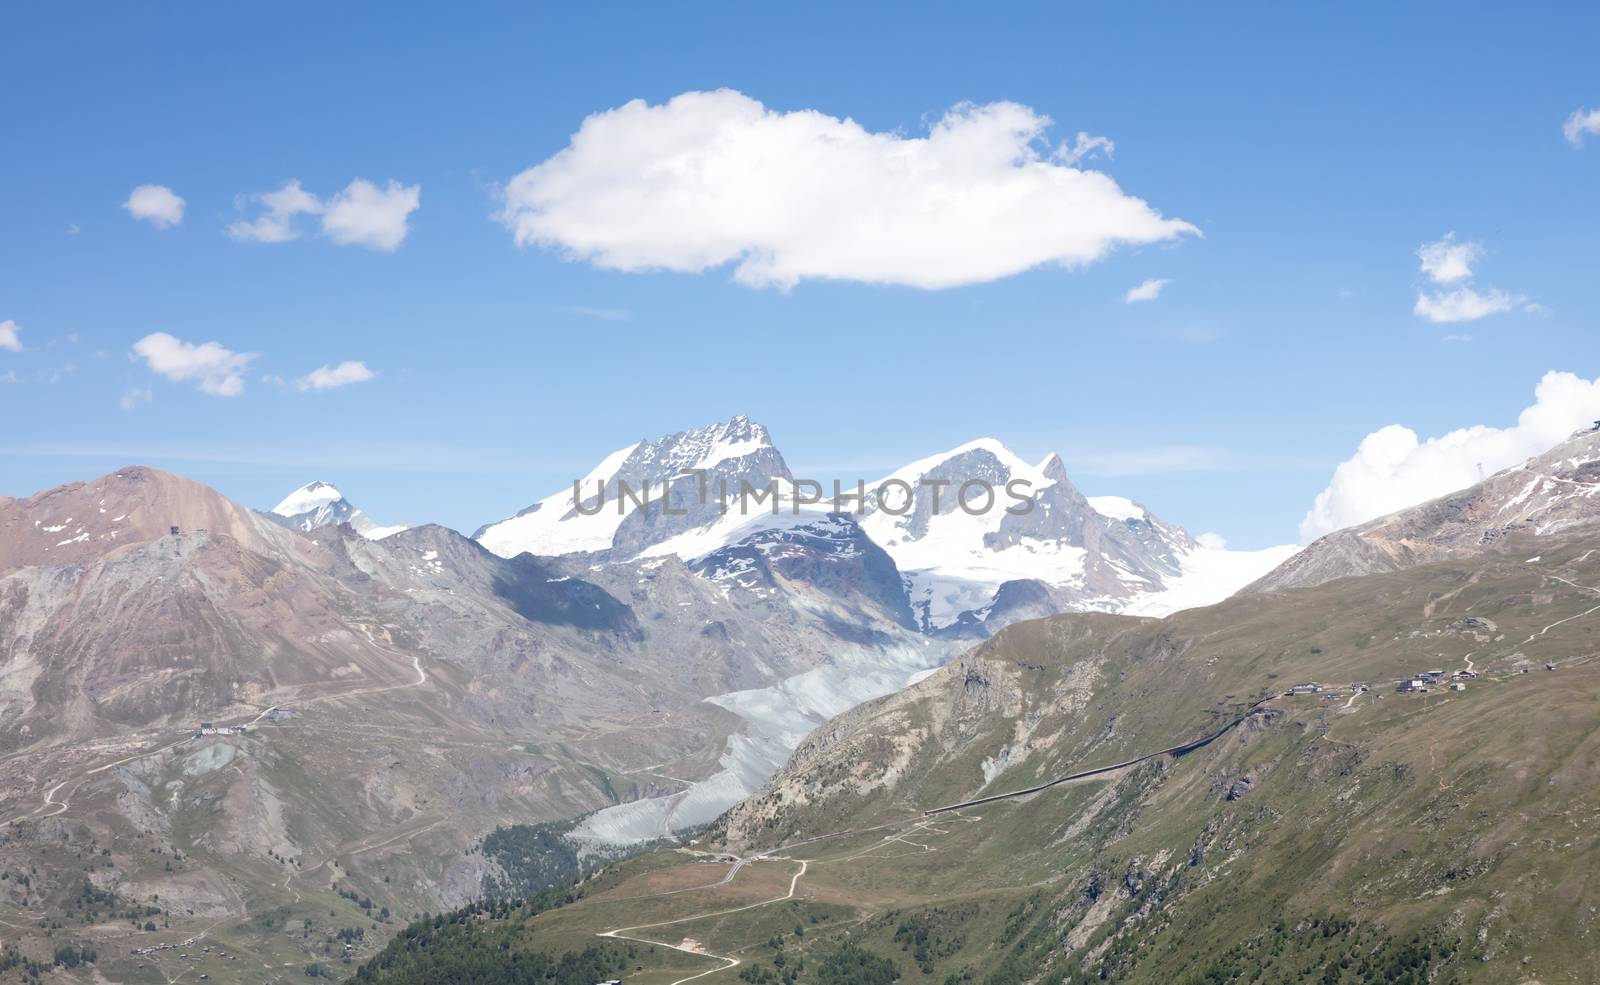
(1427, 680)
(153, 948)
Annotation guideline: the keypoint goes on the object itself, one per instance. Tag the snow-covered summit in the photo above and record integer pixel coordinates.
(321, 504)
(1019, 523)
(603, 513)
(977, 533)
(309, 498)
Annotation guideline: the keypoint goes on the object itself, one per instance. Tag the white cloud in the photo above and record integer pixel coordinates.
(8, 336)
(276, 223)
(1147, 291)
(9, 376)
(1582, 122)
(1086, 146)
(715, 178)
(361, 215)
(330, 377)
(1446, 261)
(155, 204)
(217, 370)
(366, 215)
(1393, 469)
(1214, 541)
(1462, 304)
(136, 396)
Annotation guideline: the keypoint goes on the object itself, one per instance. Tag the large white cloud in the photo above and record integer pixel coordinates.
(8, 336)
(332, 377)
(361, 215)
(715, 178)
(155, 204)
(1393, 469)
(215, 369)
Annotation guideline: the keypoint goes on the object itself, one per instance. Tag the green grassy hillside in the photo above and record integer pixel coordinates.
(1373, 837)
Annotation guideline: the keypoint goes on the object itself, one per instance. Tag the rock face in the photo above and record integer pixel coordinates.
(830, 554)
(413, 682)
(1554, 493)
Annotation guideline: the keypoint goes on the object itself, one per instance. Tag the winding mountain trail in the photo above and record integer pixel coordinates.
(622, 933)
(51, 807)
(929, 821)
(1558, 622)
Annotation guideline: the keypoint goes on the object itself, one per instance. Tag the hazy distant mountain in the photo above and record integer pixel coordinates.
(1557, 492)
(321, 504)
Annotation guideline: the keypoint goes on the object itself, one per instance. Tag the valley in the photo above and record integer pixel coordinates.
(1368, 833)
(287, 739)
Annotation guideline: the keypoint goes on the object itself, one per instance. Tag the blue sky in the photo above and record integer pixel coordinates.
(1314, 148)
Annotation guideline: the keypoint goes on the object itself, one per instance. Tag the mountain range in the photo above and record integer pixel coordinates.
(233, 722)
(1023, 543)
(1233, 793)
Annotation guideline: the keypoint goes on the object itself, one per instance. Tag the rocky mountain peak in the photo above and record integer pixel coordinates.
(80, 521)
(320, 504)
(685, 470)
(1557, 492)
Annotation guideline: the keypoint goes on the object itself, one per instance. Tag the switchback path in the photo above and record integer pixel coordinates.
(621, 933)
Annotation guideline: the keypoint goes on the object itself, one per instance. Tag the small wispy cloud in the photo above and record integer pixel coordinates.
(1583, 122)
(136, 396)
(362, 214)
(1147, 291)
(1083, 147)
(9, 340)
(1448, 261)
(155, 204)
(1462, 304)
(332, 377)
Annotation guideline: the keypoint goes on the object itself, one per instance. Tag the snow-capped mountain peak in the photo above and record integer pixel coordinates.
(321, 504)
(687, 470)
(308, 498)
(978, 533)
